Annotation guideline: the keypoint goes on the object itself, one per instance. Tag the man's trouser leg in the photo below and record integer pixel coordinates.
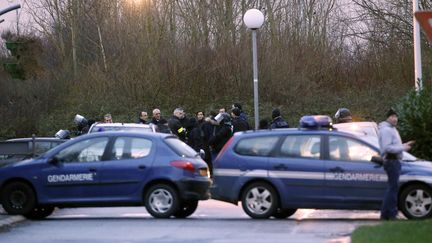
(389, 207)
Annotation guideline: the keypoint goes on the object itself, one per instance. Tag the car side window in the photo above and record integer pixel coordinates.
(131, 148)
(258, 146)
(88, 150)
(348, 149)
(301, 146)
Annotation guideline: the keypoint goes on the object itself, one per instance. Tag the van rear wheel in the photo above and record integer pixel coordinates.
(259, 200)
(284, 213)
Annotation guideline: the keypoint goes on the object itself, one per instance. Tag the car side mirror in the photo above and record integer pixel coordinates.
(202, 153)
(53, 160)
(377, 159)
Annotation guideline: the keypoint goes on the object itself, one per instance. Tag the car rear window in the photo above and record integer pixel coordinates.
(180, 147)
(257, 146)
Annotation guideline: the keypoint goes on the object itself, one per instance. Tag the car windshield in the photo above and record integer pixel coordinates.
(180, 147)
(368, 132)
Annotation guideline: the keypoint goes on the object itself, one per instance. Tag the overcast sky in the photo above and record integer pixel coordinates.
(11, 18)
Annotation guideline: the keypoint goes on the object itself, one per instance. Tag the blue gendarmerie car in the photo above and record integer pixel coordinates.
(275, 172)
(108, 169)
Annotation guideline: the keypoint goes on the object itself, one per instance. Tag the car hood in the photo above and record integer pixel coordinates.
(9, 163)
(419, 164)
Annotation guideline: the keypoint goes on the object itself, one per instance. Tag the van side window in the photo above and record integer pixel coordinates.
(301, 146)
(258, 146)
(347, 149)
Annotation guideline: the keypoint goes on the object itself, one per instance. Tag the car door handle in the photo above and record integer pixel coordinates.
(280, 167)
(92, 169)
(337, 169)
(142, 167)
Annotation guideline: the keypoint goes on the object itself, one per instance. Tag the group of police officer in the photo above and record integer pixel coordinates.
(207, 133)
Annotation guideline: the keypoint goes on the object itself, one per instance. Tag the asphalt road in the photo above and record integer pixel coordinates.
(212, 222)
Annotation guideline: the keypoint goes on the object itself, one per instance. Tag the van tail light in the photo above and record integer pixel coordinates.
(224, 148)
(185, 165)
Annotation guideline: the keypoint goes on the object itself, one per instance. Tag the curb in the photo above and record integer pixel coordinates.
(7, 220)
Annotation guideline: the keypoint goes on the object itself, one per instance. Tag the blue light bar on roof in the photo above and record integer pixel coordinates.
(316, 122)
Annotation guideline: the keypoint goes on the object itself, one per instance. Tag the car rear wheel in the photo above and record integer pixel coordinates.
(186, 209)
(259, 200)
(284, 213)
(18, 198)
(40, 212)
(161, 201)
(415, 202)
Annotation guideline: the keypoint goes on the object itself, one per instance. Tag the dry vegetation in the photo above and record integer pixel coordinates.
(122, 56)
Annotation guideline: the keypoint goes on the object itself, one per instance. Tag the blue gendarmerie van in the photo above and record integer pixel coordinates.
(276, 172)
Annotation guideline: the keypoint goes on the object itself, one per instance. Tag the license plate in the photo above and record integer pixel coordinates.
(203, 172)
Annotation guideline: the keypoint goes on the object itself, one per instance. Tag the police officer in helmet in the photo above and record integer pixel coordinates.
(343, 115)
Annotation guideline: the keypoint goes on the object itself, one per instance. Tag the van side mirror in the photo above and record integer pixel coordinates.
(377, 159)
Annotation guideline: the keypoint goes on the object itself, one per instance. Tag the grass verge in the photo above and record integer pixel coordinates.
(395, 231)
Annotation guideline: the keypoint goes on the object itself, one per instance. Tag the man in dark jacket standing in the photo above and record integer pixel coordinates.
(160, 122)
(175, 124)
(220, 135)
(278, 121)
(238, 123)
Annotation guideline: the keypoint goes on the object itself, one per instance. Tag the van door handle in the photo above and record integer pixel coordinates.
(280, 167)
(337, 169)
(142, 167)
(92, 169)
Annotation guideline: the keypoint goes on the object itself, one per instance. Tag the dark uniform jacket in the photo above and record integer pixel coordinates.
(221, 135)
(279, 122)
(240, 125)
(176, 128)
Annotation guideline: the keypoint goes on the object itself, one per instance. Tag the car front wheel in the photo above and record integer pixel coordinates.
(415, 202)
(40, 212)
(161, 201)
(259, 200)
(18, 198)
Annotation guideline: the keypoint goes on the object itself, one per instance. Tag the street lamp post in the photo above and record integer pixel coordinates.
(254, 19)
(417, 50)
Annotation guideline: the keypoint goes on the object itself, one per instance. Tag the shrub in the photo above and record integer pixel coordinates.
(415, 121)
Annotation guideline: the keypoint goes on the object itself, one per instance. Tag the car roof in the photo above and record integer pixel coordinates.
(104, 127)
(126, 133)
(290, 131)
(354, 125)
(119, 124)
(39, 139)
